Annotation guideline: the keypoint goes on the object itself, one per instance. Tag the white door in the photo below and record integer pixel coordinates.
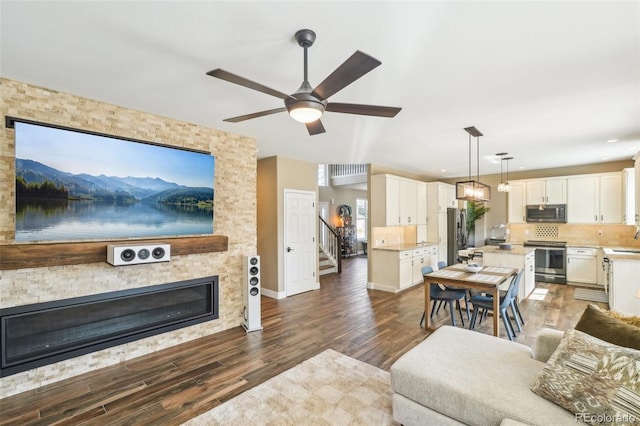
(300, 250)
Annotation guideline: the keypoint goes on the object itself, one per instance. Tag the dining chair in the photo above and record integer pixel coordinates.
(445, 296)
(486, 304)
(443, 264)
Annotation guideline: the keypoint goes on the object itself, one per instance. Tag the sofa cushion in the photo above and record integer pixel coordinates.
(593, 379)
(475, 378)
(602, 325)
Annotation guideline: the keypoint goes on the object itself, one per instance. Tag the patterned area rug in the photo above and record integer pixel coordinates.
(328, 389)
(591, 295)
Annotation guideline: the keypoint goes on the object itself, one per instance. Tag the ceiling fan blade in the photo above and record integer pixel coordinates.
(233, 78)
(315, 128)
(352, 69)
(378, 111)
(254, 115)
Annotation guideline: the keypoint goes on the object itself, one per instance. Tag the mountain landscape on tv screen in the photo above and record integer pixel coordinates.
(33, 176)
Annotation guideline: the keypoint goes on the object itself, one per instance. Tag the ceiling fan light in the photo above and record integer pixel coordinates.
(306, 111)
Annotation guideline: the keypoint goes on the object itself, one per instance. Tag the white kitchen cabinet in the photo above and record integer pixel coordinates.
(419, 258)
(385, 200)
(421, 234)
(629, 196)
(623, 286)
(610, 198)
(397, 201)
(637, 172)
(434, 256)
(441, 236)
(582, 265)
(547, 191)
(517, 202)
(422, 200)
(408, 202)
(405, 266)
(444, 193)
(595, 199)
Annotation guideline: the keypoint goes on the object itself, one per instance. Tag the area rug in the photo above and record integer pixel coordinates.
(591, 295)
(328, 389)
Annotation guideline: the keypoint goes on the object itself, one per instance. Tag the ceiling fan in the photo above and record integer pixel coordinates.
(307, 104)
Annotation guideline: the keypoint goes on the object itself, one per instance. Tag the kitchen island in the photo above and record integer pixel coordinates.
(622, 283)
(397, 267)
(518, 257)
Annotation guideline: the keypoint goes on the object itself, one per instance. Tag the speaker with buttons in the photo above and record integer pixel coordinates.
(251, 320)
(136, 254)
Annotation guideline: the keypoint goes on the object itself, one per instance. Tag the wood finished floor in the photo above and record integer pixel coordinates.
(176, 384)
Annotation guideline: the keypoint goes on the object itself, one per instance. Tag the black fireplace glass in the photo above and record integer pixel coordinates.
(81, 325)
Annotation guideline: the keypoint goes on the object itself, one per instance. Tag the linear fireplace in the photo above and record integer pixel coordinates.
(40, 334)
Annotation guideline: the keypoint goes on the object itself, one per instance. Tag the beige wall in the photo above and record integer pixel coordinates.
(268, 222)
(279, 174)
(234, 216)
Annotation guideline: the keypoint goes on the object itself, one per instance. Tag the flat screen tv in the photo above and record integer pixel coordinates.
(77, 185)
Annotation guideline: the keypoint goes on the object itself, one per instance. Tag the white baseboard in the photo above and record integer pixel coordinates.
(273, 294)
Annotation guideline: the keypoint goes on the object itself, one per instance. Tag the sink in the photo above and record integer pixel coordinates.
(626, 251)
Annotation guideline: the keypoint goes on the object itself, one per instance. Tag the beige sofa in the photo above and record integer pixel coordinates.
(457, 376)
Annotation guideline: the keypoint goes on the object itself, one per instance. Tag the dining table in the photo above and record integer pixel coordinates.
(488, 280)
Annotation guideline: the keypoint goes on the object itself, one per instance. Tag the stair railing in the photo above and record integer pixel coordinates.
(331, 242)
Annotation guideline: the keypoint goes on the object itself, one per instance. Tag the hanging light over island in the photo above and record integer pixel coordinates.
(473, 190)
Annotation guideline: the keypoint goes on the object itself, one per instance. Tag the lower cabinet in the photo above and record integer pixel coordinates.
(394, 270)
(582, 265)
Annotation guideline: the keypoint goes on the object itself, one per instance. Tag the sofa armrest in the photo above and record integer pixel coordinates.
(547, 341)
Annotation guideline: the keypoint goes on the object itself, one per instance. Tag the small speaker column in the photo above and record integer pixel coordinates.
(251, 320)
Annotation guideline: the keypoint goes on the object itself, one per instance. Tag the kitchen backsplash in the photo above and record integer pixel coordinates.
(597, 235)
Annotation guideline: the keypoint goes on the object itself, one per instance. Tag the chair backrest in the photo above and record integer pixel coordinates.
(516, 285)
(426, 270)
(442, 264)
(512, 291)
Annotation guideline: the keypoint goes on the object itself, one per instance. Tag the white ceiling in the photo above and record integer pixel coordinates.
(547, 82)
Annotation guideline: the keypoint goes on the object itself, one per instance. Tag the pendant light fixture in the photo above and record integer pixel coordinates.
(473, 190)
(503, 186)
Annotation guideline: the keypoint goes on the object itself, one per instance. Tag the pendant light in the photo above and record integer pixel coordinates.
(503, 186)
(473, 190)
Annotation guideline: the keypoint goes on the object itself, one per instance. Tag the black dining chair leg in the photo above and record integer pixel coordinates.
(515, 303)
(422, 319)
(451, 310)
(460, 311)
(474, 317)
(507, 324)
(515, 316)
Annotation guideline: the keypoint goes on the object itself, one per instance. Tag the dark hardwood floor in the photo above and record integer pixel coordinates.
(176, 384)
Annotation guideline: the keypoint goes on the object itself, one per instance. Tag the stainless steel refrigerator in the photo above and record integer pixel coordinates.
(456, 233)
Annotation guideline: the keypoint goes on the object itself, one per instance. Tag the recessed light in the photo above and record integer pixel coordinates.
(521, 167)
(612, 141)
(605, 158)
(443, 170)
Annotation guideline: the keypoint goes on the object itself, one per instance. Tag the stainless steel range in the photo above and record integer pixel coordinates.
(551, 260)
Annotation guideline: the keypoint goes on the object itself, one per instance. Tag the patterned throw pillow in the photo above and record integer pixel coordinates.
(597, 381)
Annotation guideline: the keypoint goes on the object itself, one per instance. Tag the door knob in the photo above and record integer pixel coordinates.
(289, 249)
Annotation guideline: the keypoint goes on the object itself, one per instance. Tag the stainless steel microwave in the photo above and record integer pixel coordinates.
(554, 213)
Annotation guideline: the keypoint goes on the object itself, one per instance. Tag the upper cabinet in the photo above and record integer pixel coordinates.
(445, 194)
(637, 171)
(517, 202)
(595, 199)
(547, 191)
(397, 201)
(629, 196)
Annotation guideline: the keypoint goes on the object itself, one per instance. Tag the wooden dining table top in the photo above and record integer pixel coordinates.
(489, 276)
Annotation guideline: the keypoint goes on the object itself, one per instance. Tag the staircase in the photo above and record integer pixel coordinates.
(329, 249)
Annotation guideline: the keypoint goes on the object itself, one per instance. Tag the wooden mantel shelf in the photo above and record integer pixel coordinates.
(18, 256)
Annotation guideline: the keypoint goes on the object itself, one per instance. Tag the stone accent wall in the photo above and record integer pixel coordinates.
(234, 216)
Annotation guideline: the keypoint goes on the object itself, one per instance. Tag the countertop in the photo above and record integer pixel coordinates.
(515, 249)
(622, 253)
(404, 247)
